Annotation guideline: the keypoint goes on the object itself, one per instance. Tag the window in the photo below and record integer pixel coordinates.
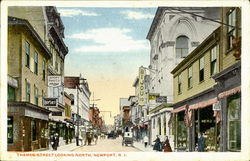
(153, 123)
(179, 84)
(201, 63)
(36, 95)
(190, 77)
(159, 126)
(27, 91)
(234, 134)
(35, 63)
(11, 93)
(27, 54)
(181, 47)
(231, 32)
(44, 68)
(10, 130)
(165, 126)
(56, 63)
(42, 96)
(33, 130)
(213, 63)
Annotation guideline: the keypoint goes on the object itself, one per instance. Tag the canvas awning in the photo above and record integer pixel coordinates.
(203, 104)
(179, 109)
(229, 92)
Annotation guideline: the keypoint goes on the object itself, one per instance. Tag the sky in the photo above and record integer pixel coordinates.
(107, 46)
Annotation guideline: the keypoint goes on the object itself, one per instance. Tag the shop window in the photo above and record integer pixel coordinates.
(182, 136)
(179, 85)
(11, 93)
(36, 95)
(165, 126)
(234, 129)
(181, 47)
(33, 130)
(159, 126)
(231, 31)
(201, 72)
(190, 77)
(10, 130)
(27, 91)
(213, 61)
(44, 69)
(27, 54)
(36, 63)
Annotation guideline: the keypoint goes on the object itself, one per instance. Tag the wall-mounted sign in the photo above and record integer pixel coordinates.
(161, 99)
(71, 82)
(50, 102)
(54, 80)
(141, 86)
(217, 106)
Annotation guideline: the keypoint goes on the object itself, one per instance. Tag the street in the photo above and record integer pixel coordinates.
(107, 145)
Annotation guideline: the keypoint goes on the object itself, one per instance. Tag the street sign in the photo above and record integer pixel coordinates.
(54, 80)
(141, 86)
(161, 99)
(217, 106)
(50, 102)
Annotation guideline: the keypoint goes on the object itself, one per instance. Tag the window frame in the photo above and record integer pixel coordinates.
(27, 54)
(33, 130)
(36, 98)
(201, 69)
(231, 31)
(190, 77)
(36, 63)
(181, 49)
(28, 89)
(44, 70)
(179, 84)
(10, 130)
(213, 60)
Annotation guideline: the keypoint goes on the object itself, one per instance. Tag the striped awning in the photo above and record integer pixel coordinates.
(203, 104)
(229, 92)
(179, 109)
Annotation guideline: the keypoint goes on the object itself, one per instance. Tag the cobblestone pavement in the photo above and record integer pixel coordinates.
(107, 145)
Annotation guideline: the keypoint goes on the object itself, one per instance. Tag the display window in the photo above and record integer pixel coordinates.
(182, 132)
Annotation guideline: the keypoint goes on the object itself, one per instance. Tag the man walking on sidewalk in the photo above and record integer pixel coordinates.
(145, 139)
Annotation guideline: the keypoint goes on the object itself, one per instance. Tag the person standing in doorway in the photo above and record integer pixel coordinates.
(201, 142)
(145, 139)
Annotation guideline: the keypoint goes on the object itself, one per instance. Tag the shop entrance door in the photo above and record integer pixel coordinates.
(205, 123)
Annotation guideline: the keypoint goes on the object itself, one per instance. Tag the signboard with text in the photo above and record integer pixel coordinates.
(54, 80)
(141, 86)
(161, 99)
(50, 102)
(71, 82)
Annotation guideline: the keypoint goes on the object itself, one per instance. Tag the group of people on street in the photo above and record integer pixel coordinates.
(54, 141)
(159, 146)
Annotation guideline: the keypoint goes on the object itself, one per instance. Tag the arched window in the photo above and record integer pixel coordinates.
(181, 47)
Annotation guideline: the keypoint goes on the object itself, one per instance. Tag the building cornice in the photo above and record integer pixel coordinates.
(13, 21)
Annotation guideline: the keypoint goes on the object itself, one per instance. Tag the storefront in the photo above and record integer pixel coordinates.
(27, 127)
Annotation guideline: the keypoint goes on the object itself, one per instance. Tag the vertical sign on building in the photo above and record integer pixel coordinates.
(141, 86)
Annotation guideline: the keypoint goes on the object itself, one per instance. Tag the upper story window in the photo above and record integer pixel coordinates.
(44, 68)
(36, 95)
(231, 31)
(190, 77)
(11, 93)
(36, 63)
(201, 72)
(27, 54)
(213, 60)
(27, 91)
(179, 84)
(181, 47)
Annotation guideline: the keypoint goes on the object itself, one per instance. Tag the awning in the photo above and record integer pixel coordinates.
(179, 109)
(229, 92)
(203, 104)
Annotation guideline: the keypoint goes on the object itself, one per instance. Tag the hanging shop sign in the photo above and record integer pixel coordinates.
(217, 106)
(161, 99)
(141, 86)
(54, 80)
(50, 102)
(71, 82)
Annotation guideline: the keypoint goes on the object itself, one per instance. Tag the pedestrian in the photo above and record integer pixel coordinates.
(157, 145)
(80, 139)
(55, 141)
(201, 142)
(96, 138)
(145, 139)
(166, 146)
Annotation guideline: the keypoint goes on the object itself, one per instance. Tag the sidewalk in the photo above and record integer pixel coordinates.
(141, 147)
(66, 148)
